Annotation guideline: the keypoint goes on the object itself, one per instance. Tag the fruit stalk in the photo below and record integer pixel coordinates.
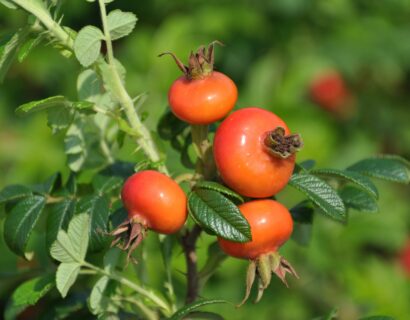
(205, 169)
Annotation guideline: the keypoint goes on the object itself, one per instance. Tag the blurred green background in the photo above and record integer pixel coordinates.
(273, 51)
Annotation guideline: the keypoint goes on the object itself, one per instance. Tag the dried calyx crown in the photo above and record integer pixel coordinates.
(281, 145)
(200, 64)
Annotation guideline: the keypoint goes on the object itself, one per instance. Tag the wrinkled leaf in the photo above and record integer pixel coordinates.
(385, 167)
(358, 199)
(355, 178)
(217, 213)
(321, 194)
(210, 185)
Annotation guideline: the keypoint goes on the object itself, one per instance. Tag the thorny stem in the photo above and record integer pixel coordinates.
(144, 138)
(126, 282)
(45, 18)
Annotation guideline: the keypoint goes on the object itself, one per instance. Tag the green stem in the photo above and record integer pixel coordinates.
(205, 167)
(126, 282)
(144, 140)
(144, 137)
(41, 13)
(148, 313)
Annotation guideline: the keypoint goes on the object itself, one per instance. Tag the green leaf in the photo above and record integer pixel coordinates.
(169, 126)
(217, 213)
(38, 105)
(66, 275)
(97, 207)
(356, 178)
(302, 212)
(88, 85)
(210, 185)
(52, 184)
(96, 300)
(71, 184)
(111, 258)
(9, 47)
(8, 4)
(28, 293)
(71, 246)
(358, 199)
(60, 215)
(78, 232)
(302, 233)
(21, 221)
(75, 147)
(302, 215)
(106, 184)
(87, 45)
(59, 119)
(85, 107)
(321, 194)
(385, 167)
(14, 192)
(120, 24)
(62, 249)
(307, 164)
(107, 73)
(195, 305)
(28, 46)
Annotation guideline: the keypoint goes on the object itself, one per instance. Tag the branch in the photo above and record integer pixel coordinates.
(188, 242)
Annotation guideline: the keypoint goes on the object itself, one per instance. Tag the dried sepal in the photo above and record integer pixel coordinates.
(250, 278)
(127, 236)
(200, 63)
(261, 269)
(281, 145)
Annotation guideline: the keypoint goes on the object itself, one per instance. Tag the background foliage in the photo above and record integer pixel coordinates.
(274, 49)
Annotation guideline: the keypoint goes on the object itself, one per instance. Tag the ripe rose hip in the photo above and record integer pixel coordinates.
(153, 201)
(201, 96)
(255, 152)
(271, 226)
